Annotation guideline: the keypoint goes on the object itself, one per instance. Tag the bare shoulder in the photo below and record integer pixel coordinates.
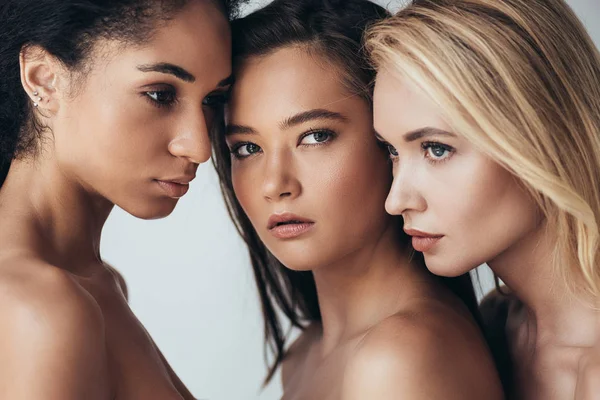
(425, 354)
(30, 286)
(298, 350)
(54, 346)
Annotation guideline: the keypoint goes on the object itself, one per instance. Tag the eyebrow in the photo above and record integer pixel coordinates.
(233, 129)
(425, 132)
(167, 68)
(419, 134)
(290, 122)
(312, 115)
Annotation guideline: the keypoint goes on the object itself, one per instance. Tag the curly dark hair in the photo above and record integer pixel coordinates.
(67, 30)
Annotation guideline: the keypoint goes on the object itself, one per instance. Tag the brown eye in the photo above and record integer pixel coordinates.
(162, 98)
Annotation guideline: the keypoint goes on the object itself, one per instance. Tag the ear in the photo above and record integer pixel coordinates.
(40, 74)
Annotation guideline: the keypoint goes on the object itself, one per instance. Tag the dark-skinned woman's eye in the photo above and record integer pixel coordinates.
(162, 98)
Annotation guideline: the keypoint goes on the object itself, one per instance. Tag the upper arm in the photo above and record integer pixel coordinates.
(53, 347)
(406, 360)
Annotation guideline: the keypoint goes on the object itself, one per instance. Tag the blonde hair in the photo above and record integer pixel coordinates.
(520, 79)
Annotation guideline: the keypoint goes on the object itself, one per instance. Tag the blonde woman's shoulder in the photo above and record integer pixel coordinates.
(432, 352)
(52, 336)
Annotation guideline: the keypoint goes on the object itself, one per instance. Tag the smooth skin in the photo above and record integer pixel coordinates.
(301, 143)
(69, 333)
(444, 186)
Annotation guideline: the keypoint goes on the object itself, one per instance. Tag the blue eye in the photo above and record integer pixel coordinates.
(243, 150)
(437, 152)
(316, 137)
(392, 150)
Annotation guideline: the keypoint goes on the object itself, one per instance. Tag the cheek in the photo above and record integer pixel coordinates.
(352, 184)
(487, 211)
(116, 133)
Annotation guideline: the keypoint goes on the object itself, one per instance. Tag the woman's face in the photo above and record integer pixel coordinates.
(306, 167)
(461, 208)
(136, 130)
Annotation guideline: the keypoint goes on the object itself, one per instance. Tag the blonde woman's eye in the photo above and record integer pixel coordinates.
(437, 151)
(316, 137)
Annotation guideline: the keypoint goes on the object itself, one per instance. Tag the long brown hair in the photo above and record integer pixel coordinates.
(334, 30)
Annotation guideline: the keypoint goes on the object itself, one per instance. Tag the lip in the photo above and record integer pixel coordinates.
(177, 187)
(288, 225)
(422, 241)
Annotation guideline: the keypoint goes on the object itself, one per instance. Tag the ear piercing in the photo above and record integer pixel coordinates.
(39, 99)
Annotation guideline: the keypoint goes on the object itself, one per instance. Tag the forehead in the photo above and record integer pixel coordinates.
(286, 82)
(197, 38)
(400, 106)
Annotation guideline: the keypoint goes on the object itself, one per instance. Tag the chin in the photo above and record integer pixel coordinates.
(443, 266)
(299, 262)
(152, 210)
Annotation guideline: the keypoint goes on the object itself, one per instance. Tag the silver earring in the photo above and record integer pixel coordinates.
(39, 99)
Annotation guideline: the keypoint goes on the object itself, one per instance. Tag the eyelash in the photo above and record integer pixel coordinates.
(213, 100)
(236, 147)
(171, 101)
(331, 135)
(425, 146)
(388, 147)
(217, 99)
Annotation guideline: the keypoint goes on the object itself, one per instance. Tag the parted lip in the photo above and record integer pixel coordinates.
(418, 233)
(286, 218)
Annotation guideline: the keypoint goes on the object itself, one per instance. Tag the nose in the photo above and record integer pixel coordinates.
(192, 141)
(280, 180)
(404, 195)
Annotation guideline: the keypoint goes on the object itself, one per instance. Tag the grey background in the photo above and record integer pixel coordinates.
(190, 281)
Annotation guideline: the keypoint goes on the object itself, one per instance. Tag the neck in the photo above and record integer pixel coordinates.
(52, 214)
(557, 315)
(364, 287)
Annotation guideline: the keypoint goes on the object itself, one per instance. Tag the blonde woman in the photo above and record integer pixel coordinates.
(491, 113)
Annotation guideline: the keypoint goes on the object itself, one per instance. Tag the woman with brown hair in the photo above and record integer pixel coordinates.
(305, 182)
